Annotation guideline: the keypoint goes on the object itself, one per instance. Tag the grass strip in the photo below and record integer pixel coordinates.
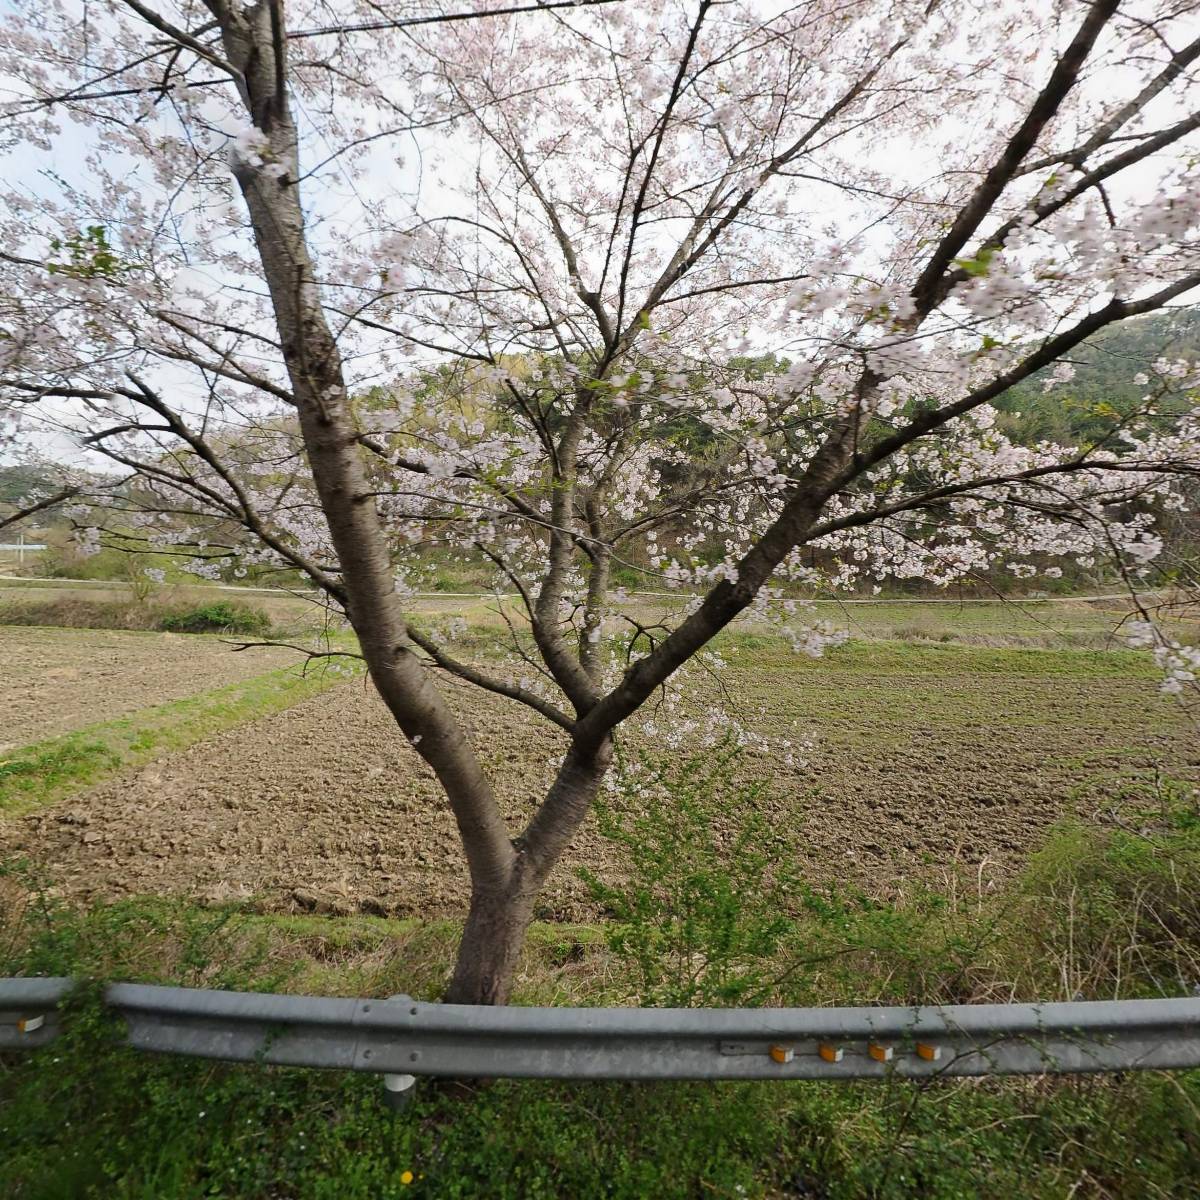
(47, 771)
(885, 656)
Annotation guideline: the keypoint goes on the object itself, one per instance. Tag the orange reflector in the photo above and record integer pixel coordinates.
(880, 1053)
(928, 1053)
(782, 1054)
(830, 1053)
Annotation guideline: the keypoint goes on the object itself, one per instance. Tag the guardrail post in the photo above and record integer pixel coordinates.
(399, 1089)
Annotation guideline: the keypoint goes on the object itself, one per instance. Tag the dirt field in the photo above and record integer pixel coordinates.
(56, 680)
(924, 756)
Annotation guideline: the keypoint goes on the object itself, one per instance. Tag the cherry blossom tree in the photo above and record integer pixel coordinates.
(723, 291)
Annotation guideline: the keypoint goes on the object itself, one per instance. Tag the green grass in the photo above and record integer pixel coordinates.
(87, 1117)
(39, 774)
(43, 767)
(133, 1128)
(1100, 912)
(883, 656)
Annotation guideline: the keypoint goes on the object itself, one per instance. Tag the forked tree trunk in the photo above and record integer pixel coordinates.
(492, 940)
(506, 875)
(500, 913)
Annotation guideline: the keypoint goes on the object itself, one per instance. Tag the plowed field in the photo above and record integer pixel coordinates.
(923, 757)
(55, 680)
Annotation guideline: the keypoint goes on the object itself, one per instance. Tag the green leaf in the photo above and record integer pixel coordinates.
(977, 266)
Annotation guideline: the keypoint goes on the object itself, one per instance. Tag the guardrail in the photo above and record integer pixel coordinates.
(29, 1011)
(402, 1038)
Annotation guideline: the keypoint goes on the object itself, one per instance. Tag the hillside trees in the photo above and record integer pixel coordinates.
(919, 205)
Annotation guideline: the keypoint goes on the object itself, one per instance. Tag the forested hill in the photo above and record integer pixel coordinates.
(17, 482)
(1105, 367)
(1071, 413)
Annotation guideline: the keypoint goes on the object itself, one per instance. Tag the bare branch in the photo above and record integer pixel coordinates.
(39, 506)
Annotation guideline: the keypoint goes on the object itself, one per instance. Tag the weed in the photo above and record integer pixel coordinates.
(221, 616)
(74, 760)
(698, 922)
(1114, 909)
(88, 1118)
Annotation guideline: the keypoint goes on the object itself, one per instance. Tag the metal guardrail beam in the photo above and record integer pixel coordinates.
(29, 1011)
(404, 1036)
(401, 1037)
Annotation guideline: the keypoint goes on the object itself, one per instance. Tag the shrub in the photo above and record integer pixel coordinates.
(1102, 911)
(70, 612)
(1108, 911)
(221, 616)
(700, 921)
(88, 1117)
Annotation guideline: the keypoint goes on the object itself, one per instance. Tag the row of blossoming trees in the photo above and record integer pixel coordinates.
(234, 228)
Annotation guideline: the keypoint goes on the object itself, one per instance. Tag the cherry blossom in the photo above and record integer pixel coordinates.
(720, 298)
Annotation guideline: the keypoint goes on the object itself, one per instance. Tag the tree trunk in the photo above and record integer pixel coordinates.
(499, 916)
(492, 940)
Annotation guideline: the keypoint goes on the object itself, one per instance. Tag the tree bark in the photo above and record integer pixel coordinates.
(253, 41)
(499, 917)
(492, 940)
